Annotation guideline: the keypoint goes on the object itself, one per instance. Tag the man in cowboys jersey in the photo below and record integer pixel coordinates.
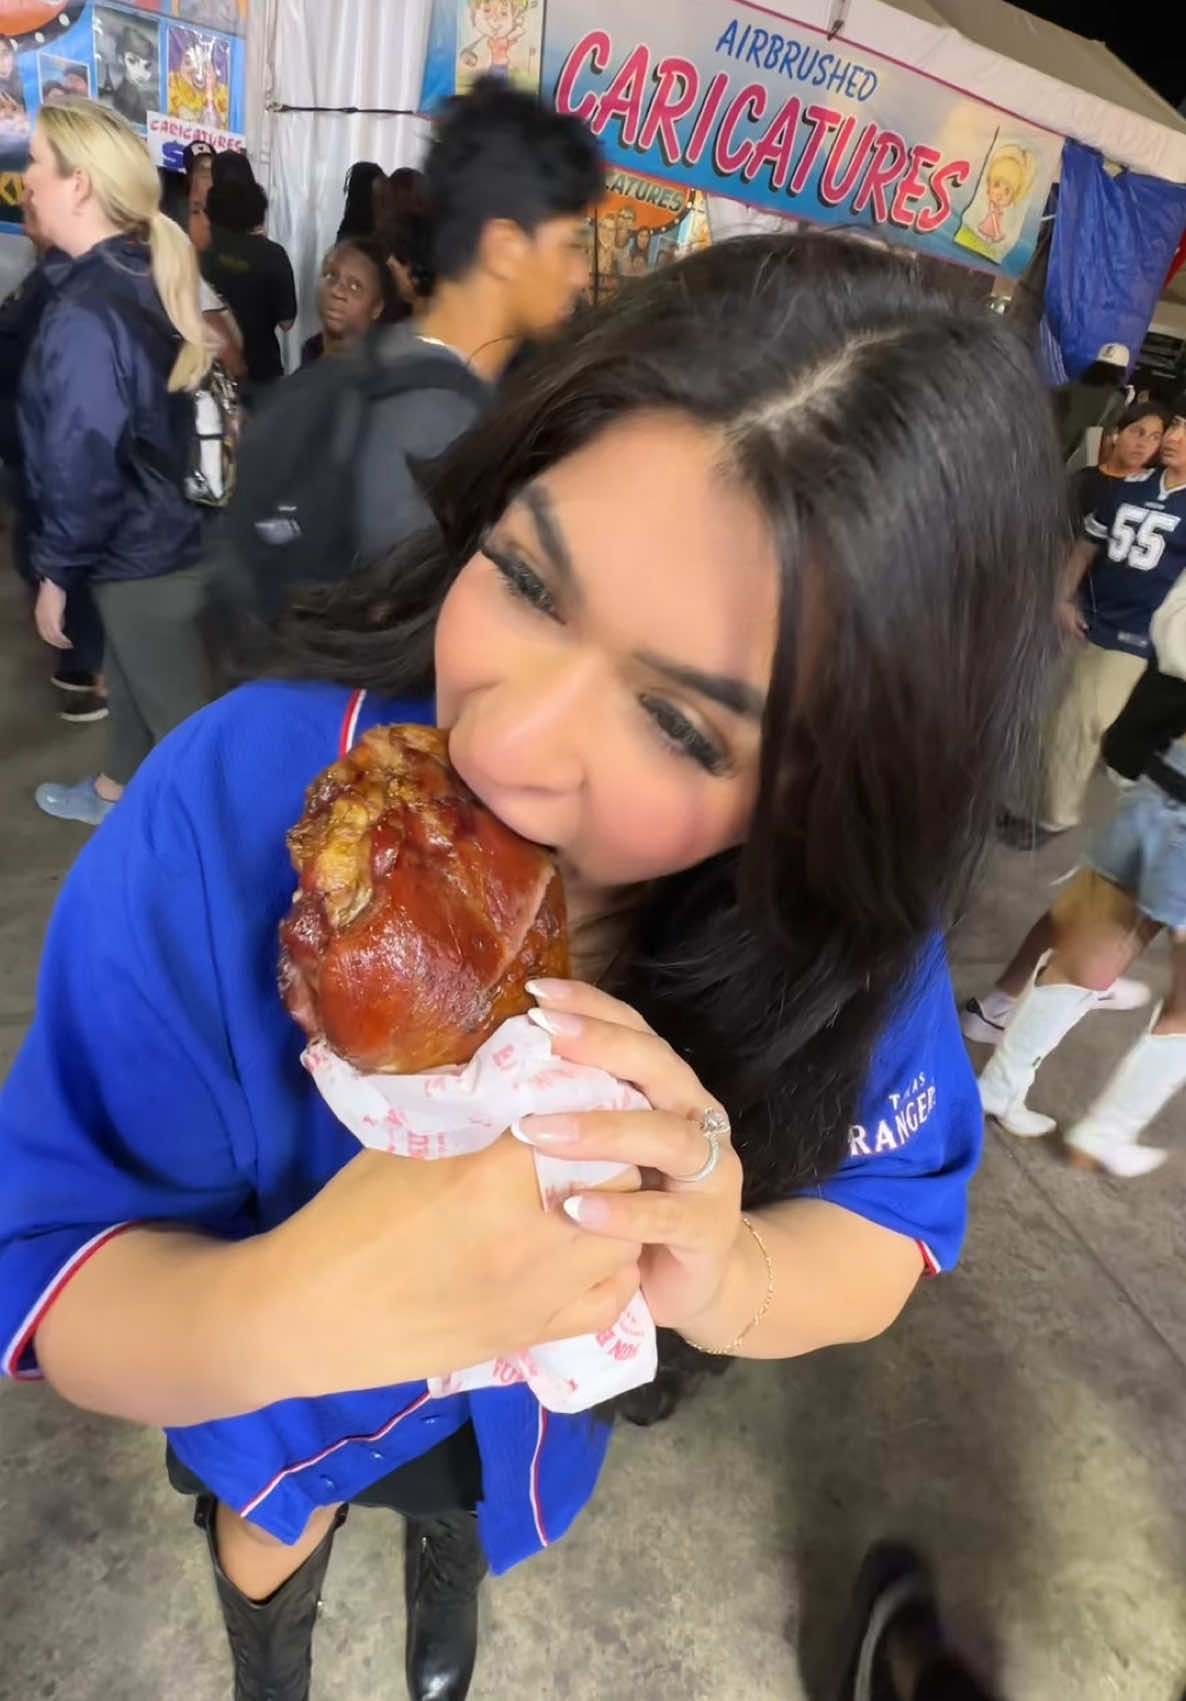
(1117, 578)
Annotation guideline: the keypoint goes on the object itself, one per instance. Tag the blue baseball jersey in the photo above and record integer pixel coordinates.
(161, 1082)
(1138, 525)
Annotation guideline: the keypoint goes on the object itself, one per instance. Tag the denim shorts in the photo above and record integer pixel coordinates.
(1143, 851)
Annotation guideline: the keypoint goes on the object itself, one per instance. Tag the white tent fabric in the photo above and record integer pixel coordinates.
(368, 54)
(365, 54)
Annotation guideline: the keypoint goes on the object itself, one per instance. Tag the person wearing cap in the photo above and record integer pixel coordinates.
(1097, 397)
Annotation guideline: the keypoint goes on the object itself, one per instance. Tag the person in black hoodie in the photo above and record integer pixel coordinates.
(251, 274)
(105, 423)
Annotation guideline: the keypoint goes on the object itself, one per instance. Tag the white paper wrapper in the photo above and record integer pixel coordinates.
(452, 1112)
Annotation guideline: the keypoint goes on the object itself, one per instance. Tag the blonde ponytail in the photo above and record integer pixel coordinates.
(175, 273)
(96, 141)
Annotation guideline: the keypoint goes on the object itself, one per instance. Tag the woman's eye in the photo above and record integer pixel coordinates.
(678, 732)
(521, 581)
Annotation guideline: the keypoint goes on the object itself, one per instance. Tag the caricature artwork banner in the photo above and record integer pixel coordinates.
(176, 69)
(739, 100)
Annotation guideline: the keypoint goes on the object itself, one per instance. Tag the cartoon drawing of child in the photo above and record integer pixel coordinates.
(501, 26)
(1010, 178)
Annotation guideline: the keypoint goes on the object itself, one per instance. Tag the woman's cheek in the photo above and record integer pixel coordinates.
(643, 827)
(465, 643)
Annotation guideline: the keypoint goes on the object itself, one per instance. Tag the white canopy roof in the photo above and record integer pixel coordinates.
(1036, 69)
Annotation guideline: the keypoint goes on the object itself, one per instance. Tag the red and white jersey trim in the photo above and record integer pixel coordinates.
(317, 1458)
(537, 1511)
(932, 1266)
(37, 1313)
(350, 724)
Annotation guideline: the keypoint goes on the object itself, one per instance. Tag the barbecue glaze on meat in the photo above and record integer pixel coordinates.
(418, 917)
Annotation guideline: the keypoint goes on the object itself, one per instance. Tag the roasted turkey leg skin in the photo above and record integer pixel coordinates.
(419, 917)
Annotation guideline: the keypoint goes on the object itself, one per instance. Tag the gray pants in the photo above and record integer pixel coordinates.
(154, 660)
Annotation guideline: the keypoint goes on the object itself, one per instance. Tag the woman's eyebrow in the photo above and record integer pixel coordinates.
(731, 693)
(543, 513)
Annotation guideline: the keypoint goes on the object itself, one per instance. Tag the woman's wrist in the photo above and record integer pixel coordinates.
(742, 1299)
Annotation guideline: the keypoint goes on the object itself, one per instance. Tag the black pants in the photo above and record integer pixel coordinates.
(85, 632)
(83, 626)
(448, 1478)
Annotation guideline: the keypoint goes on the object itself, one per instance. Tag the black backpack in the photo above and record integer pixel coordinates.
(293, 520)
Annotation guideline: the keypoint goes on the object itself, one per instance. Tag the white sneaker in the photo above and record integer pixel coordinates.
(976, 1023)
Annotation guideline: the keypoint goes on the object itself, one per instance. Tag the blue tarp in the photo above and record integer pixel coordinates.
(1114, 240)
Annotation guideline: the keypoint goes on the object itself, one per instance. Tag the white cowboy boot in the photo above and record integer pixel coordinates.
(1042, 1017)
(1147, 1078)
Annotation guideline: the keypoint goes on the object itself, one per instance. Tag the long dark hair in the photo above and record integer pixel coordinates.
(358, 217)
(902, 450)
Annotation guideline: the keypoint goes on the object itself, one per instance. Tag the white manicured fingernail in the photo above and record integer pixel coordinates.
(553, 1022)
(587, 1209)
(548, 1131)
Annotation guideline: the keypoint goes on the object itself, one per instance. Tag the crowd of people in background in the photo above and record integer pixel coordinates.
(1122, 700)
(441, 273)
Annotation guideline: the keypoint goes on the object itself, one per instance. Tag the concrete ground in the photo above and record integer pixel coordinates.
(1024, 1422)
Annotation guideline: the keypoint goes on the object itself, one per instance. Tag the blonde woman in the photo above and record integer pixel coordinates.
(105, 421)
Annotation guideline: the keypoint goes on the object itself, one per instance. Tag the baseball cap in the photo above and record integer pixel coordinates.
(194, 151)
(1114, 354)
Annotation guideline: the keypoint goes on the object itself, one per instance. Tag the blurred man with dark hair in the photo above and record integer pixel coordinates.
(508, 183)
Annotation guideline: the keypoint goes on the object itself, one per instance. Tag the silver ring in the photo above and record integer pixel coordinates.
(714, 1125)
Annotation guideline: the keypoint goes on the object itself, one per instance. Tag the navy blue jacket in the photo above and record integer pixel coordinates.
(20, 319)
(105, 444)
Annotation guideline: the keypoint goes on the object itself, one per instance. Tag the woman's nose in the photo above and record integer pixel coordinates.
(540, 731)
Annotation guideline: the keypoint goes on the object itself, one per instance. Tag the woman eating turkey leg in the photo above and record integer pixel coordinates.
(763, 735)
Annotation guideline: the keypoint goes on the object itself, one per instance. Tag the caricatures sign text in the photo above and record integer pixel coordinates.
(735, 100)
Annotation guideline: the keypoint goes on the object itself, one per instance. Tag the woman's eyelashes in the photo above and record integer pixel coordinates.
(521, 581)
(677, 734)
(682, 736)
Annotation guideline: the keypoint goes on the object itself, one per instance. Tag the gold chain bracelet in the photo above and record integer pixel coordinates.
(759, 1314)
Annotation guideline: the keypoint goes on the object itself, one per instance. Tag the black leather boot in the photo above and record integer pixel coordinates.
(272, 1640)
(443, 1565)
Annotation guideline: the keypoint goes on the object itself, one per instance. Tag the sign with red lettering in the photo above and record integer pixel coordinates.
(736, 99)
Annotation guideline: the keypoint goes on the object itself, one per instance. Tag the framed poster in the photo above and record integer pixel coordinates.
(175, 69)
(642, 225)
